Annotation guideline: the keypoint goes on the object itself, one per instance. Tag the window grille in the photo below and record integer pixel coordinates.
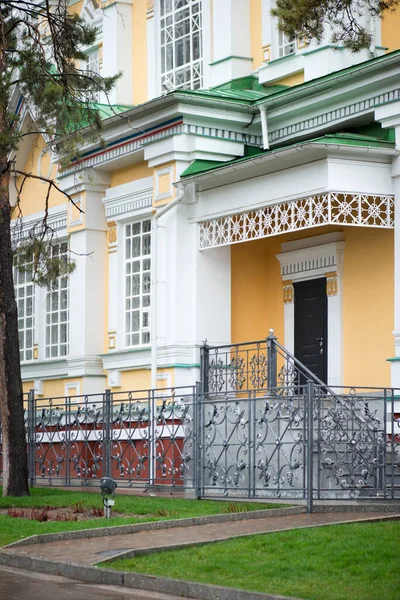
(137, 283)
(181, 44)
(25, 298)
(57, 311)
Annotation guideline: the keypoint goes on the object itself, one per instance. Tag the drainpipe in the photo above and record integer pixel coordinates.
(154, 286)
(264, 127)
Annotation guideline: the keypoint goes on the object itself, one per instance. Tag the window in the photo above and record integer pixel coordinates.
(181, 44)
(25, 298)
(93, 62)
(57, 311)
(285, 46)
(92, 67)
(137, 283)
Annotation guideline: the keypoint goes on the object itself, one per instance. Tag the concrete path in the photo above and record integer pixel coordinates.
(17, 584)
(89, 551)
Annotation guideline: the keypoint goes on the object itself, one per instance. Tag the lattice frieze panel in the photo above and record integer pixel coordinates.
(324, 209)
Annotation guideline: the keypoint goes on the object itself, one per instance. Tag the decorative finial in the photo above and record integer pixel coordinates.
(204, 341)
(271, 332)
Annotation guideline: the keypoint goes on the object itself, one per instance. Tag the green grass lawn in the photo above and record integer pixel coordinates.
(144, 507)
(357, 561)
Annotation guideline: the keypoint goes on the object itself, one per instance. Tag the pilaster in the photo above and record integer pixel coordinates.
(117, 48)
(87, 234)
(231, 40)
(389, 116)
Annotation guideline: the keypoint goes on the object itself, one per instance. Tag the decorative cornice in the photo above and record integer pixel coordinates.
(138, 141)
(328, 117)
(132, 200)
(296, 264)
(56, 219)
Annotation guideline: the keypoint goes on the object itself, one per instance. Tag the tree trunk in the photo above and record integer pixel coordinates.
(15, 462)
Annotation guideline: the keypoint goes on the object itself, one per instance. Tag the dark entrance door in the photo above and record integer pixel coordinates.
(310, 326)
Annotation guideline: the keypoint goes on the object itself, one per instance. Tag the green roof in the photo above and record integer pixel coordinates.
(109, 110)
(249, 91)
(243, 88)
(198, 167)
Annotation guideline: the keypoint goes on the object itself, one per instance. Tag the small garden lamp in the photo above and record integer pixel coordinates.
(107, 489)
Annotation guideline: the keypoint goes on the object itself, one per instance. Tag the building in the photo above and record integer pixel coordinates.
(248, 182)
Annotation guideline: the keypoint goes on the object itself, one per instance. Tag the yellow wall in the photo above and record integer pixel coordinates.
(257, 298)
(34, 191)
(294, 79)
(391, 30)
(139, 52)
(131, 173)
(256, 33)
(53, 388)
(140, 379)
(368, 306)
(256, 290)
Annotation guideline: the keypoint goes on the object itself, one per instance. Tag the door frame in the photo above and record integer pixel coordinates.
(313, 258)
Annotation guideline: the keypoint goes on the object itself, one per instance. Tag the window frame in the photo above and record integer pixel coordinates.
(19, 297)
(143, 273)
(171, 74)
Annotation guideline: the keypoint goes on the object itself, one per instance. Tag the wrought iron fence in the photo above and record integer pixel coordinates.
(259, 424)
(140, 438)
(271, 428)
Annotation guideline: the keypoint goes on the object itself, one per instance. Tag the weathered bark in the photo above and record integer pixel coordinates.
(15, 463)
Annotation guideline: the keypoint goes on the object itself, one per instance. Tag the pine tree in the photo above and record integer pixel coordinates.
(40, 53)
(305, 19)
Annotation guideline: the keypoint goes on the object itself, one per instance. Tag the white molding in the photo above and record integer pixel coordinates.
(134, 197)
(79, 366)
(56, 219)
(114, 378)
(302, 263)
(309, 262)
(167, 356)
(44, 369)
(72, 385)
(160, 173)
(78, 202)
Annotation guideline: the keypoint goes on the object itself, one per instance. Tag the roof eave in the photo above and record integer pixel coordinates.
(222, 170)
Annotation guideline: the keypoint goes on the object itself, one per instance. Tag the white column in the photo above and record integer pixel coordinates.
(87, 285)
(194, 299)
(117, 49)
(389, 116)
(231, 36)
(153, 52)
(395, 361)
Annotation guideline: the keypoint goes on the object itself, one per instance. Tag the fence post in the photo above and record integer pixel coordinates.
(204, 366)
(271, 360)
(198, 446)
(310, 440)
(152, 434)
(31, 438)
(107, 432)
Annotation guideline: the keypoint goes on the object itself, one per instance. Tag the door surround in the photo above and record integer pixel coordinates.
(312, 258)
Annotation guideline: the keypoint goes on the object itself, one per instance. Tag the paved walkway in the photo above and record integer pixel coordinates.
(17, 584)
(89, 551)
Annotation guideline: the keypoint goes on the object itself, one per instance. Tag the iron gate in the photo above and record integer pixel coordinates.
(264, 433)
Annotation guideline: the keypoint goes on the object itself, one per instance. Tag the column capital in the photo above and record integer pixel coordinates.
(85, 181)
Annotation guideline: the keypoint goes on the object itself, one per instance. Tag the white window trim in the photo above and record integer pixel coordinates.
(154, 48)
(122, 230)
(312, 258)
(123, 204)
